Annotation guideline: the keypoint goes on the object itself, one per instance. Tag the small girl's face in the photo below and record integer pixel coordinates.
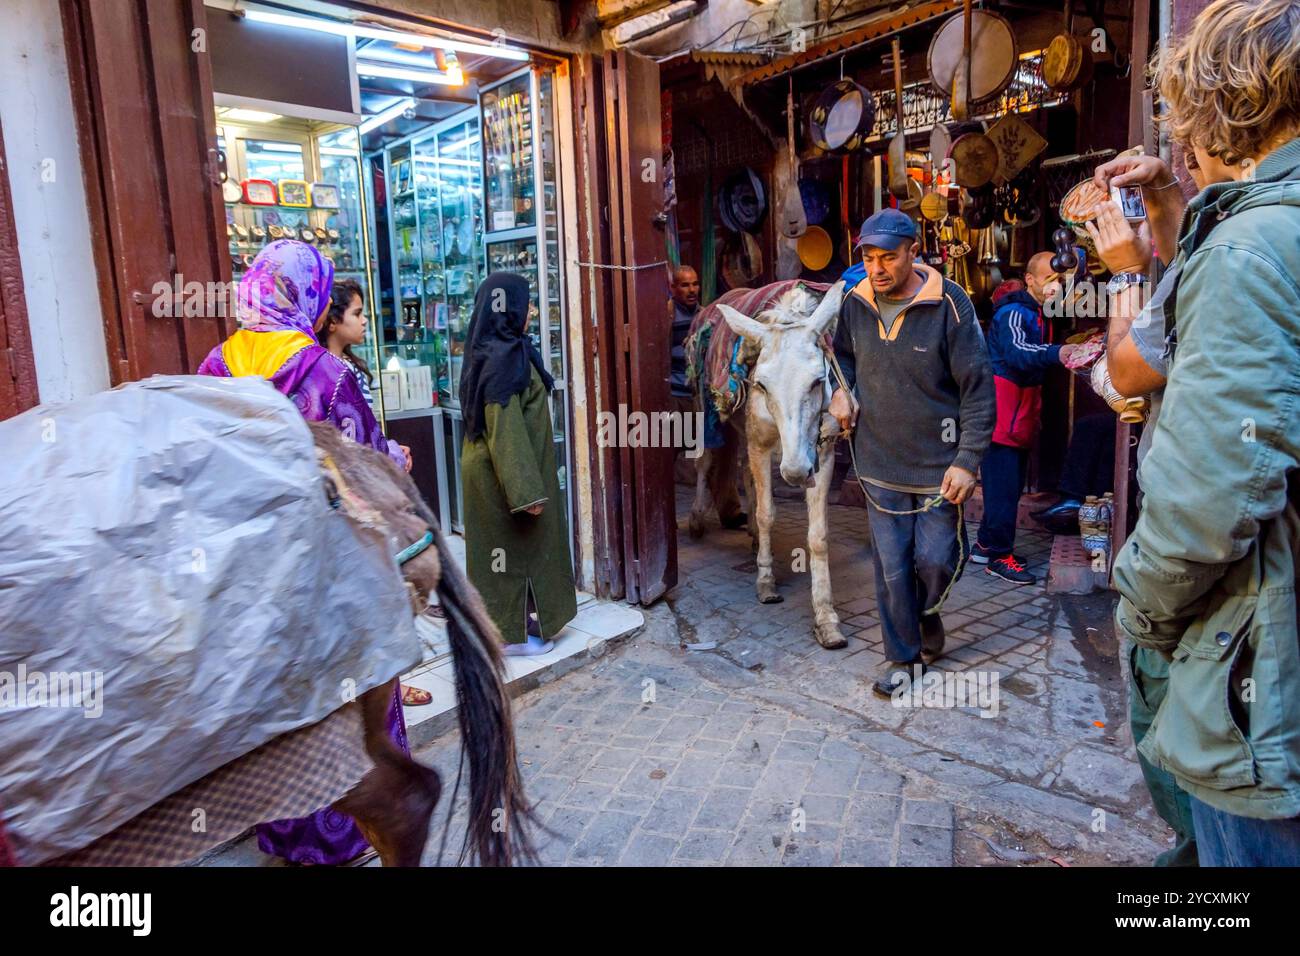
(352, 330)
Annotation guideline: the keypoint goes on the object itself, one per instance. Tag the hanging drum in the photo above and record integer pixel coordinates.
(940, 141)
(975, 159)
(841, 118)
(993, 54)
(934, 207)
(1067, 63)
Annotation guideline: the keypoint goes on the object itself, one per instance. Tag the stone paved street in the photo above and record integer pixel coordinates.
(771, 750)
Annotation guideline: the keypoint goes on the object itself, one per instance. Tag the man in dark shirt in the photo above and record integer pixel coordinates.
(912, 352)
(685, 302)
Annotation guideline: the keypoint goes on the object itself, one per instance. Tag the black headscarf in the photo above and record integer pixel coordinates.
(498, 352)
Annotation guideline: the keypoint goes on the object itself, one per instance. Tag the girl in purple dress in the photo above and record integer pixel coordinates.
(281, 300)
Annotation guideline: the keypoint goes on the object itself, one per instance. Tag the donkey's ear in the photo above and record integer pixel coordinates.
(827, 309)
(743, 325)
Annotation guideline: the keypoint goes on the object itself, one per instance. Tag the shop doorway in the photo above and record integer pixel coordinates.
(418, 164)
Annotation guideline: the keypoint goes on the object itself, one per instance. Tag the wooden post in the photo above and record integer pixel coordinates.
(1140, 130)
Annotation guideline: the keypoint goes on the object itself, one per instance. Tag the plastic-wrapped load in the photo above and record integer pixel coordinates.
(175, 591)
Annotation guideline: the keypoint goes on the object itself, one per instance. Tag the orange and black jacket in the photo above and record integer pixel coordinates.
(925, 384)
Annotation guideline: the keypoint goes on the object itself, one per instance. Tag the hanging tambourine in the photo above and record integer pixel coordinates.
(841, 118)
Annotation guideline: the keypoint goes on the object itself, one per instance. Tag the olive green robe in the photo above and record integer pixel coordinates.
(508, 552)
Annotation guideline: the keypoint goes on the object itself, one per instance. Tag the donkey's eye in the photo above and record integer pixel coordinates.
(759, 386)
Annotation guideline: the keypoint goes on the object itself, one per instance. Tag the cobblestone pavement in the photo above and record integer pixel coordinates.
(772, 750)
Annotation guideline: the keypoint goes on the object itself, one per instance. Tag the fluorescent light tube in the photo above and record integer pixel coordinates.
(384, 115)
(450, 78)
(250, 116)
(339, 28)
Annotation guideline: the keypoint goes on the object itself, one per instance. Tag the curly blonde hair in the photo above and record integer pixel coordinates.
(1232, 85)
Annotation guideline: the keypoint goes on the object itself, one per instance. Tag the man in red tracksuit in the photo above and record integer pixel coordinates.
(1020, 351)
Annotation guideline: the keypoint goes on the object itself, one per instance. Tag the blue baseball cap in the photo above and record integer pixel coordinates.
(887, 229)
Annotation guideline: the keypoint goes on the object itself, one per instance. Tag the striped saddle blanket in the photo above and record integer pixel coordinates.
(718, 360)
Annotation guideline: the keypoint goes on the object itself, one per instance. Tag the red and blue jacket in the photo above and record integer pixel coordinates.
(1020, 351)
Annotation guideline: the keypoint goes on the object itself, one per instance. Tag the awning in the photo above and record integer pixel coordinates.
(881, 27)
(726, 66)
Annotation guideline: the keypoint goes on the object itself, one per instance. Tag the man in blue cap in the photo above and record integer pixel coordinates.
(927, 413)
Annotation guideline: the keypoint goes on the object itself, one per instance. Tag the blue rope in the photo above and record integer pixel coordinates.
(411, 551)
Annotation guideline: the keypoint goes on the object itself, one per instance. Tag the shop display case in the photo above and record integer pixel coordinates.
(453, 202)
(525, 235)
(312, 163)
(508, 159)
(435, 211)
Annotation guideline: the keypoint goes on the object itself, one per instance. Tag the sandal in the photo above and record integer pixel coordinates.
(415, 697)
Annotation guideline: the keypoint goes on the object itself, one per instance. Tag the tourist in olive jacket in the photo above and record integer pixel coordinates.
(516, 529)
(1208, 577)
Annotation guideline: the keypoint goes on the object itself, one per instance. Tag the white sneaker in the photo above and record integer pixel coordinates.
(532, 647)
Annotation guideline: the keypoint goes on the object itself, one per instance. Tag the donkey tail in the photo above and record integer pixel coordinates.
(499, 814)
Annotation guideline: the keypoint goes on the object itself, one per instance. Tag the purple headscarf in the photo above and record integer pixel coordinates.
(286, 287)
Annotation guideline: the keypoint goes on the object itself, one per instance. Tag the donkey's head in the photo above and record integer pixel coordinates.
(374, 493)
(788, 380)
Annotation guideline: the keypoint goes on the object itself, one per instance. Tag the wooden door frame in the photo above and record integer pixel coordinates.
(18, 386)
(622, 295)
(143, 102)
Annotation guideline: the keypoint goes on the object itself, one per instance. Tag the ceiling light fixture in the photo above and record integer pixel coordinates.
(339, 28)
(250, 116)
(453, 77)
(386, 114)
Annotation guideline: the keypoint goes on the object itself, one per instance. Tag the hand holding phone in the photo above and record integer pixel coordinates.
(1130, 201)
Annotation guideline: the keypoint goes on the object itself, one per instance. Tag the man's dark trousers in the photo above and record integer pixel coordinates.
(1002, 476)
(915, 558)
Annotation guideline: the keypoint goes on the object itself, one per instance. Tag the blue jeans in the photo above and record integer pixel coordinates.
(915, 558)
(1225, 839)
(1002, 476)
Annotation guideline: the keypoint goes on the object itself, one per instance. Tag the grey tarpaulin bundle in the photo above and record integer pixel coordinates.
(173, 537)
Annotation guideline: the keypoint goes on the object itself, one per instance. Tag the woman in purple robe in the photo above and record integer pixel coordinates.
(281, 300)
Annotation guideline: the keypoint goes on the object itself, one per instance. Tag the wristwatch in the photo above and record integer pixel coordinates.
(1122, 280)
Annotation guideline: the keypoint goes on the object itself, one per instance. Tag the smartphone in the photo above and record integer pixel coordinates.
(1130, 202)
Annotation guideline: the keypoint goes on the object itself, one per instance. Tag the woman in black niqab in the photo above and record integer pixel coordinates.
(499, 355)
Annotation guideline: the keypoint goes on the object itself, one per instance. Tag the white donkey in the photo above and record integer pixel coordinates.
(789, 389)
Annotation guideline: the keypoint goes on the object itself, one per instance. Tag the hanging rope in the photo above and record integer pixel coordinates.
(605, 265)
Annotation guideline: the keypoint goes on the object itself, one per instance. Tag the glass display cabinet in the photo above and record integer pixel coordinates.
(508, 123)
(434, 210)
(472, 194)
(314, 195)
(519, 114)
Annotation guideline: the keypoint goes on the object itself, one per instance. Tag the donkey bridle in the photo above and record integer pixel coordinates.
(338, 490)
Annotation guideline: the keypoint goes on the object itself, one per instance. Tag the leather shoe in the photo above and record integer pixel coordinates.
(898, 676)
